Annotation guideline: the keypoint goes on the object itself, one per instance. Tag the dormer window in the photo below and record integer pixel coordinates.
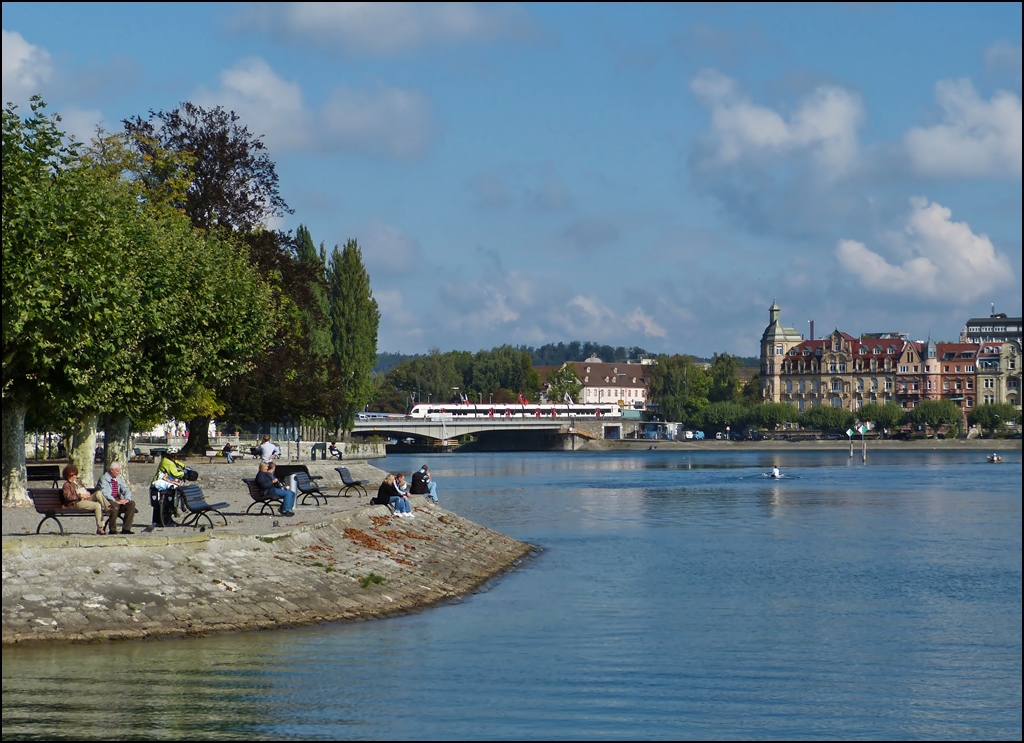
(878, 350)
(863, 350)
(892, 350)
(807, 352)
(817, 351)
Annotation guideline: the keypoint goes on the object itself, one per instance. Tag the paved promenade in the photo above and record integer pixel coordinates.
(344, 561)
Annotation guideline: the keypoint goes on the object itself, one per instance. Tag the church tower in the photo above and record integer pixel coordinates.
(775, 343)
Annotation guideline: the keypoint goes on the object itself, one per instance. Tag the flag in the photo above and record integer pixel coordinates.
(465, 399)
(523, 400)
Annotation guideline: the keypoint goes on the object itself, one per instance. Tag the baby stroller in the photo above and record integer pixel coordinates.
(169, 502)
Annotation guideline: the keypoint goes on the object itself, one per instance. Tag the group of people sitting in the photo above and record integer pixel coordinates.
(395, 491)
(112, 498)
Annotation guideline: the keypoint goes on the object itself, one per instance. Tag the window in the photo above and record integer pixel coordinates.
(970, 402)
(878, 350)
(892, 350)
(904, 369)
(789, 386)
(800, 406)
(860, 385)
(969, 368)
(778, 350)
(863, 350)
(945, 385)
(837, 386)
(832, 367)
(988, 384)
(914, 387)
(888, 385)
(807, 352)
(915, 368)
(837, 402)
(802, 386)
(814, 385)
(970, 384)
(874, 385)
(842, 368)
(958, 370)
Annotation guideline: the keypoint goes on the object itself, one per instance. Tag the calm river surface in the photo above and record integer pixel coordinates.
(678, 595)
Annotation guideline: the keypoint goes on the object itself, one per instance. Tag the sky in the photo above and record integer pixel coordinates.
(636, 175)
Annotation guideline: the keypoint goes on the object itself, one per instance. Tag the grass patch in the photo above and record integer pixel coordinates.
(372, 578)
(269, 540)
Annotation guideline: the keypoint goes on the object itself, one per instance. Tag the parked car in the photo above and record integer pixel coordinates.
(699, 435)
(719, 436)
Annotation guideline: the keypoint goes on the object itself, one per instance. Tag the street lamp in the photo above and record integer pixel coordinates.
(490, 398)
(455, 392)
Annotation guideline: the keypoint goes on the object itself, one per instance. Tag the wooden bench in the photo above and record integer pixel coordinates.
(44, 473)
(349, 483)
(47, 502)
(197, 507)
(265, 502)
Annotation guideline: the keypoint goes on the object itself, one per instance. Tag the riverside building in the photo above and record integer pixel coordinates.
(846, 371)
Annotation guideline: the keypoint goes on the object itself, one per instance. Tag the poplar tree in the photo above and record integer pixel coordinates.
(354, 322)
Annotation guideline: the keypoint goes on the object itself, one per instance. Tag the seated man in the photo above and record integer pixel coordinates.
(229, 452)
(422, 484)
(334, 451)
(270, 485)
(115, 489)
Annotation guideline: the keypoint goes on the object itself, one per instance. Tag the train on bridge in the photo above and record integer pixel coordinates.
(462, 411)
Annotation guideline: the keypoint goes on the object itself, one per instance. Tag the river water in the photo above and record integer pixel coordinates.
(676, 595)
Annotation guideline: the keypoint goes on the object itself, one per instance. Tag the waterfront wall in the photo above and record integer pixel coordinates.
(358, 566)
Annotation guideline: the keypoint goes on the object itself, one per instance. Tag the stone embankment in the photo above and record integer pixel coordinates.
(342, 563)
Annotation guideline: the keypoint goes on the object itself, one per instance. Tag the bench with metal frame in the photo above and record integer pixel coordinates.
(265, 502)
(305, 485)
(47, 502)
(44, 473)
(350, 483)
(197, 507)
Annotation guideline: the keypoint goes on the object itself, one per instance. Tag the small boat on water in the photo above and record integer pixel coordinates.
(994, 458)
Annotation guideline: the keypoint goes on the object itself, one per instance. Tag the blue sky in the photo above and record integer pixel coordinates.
(650, 175)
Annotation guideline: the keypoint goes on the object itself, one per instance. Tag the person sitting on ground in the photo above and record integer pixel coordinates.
(392, 493)
(228, 452)
(271, 486)
(115, 489)
(269, 451)
(333, 450)
(75, 495)
(422, 484)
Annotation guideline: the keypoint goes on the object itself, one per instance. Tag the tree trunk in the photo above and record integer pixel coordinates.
(14, 480)
(82, 451)
(198, 437)
(117, 434)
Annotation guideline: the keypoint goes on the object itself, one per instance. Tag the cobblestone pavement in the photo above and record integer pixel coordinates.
(359, 565)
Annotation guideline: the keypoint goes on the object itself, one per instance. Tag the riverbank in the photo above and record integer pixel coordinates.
(980, 445)
(346, 561)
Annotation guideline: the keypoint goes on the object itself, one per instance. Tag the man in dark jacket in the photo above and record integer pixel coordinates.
(422, 484)
(271, 486)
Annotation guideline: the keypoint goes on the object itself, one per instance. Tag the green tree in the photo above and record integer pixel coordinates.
(885, 415)
(828, 418)
(774, 414)
(503, 369)
(679, 389)
(564, 383)
(719, 416)
(931, 414)
(751, 392)
(725, 380)
(993, 416)
(354, 322)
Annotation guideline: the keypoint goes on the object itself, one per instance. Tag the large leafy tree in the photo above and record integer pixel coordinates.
(931, 414)
(679, 388)
(725, 380)
(993, 416)
(231, 185)
(503, 371)
(718, 416)
(774, 414)
(231, 181)
(355, 319)
(828, 418)
(564, 384)
(886, 416)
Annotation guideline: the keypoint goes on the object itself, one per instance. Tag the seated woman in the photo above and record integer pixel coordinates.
(392, 493)
(334, 451)
(228, 452)
(75, 495)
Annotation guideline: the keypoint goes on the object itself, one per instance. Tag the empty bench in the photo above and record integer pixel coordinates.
(197, 507)
(44, 473)
(350, 483)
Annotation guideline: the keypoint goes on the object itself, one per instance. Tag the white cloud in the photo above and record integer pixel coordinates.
(940, 259)
(824, 126)
(387, 121)
(975, 138)
(1003, 56)
(26, 68)
(378, 29)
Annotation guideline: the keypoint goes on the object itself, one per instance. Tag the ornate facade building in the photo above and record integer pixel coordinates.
(845, 371)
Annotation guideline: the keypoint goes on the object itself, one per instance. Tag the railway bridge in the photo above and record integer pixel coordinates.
(524, 430)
